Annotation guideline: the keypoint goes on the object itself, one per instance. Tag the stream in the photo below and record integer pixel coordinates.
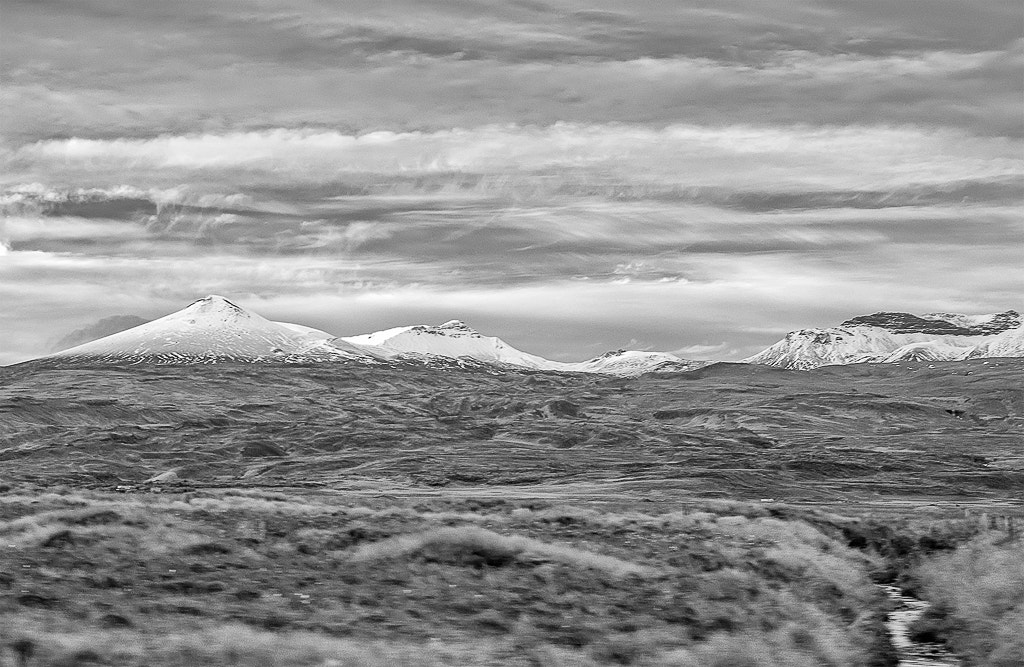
(911, 653)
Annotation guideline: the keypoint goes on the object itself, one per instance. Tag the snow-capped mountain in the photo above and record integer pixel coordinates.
(636, 362)
(455, 340)
(892, 337)
(452, 339)
(214, 329)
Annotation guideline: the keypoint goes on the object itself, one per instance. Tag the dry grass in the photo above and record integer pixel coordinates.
(231, 644)
(977, 593)
(242, 646)
(291, 579)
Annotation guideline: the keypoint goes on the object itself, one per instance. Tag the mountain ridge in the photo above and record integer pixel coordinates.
(214, 329)
(891, 337)
(946, 324)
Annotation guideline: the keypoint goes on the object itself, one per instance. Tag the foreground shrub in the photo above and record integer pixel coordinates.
(977, 593)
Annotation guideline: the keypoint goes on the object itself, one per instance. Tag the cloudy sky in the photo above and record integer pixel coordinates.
(698, 177)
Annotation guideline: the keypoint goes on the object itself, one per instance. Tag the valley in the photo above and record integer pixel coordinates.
(949, 431)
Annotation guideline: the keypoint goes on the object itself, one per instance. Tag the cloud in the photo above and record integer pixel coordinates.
(33, 230)
(441, 240)
(413, 65)
(546, 167)
(703, 351)
(104, 69)
(737, 157)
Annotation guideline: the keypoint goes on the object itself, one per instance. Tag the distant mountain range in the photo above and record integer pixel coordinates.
(213, 329)
(895, 337)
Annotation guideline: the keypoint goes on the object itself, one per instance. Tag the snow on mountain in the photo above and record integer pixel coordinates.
(304, 331)
(1009, 343)
(214, 329)
(635, 362)
(929, 351)
(455, 340)
(452, 339)
(891, 337)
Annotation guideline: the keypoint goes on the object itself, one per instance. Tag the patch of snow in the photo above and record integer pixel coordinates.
(929, 351)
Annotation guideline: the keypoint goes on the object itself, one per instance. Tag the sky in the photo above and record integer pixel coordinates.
(574, 177)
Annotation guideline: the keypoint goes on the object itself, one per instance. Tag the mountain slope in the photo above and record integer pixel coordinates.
(452, 339)
(455, 340)
(892, 337)
(636, 362)
(214, 329)
(1009, 343)
(209, 330)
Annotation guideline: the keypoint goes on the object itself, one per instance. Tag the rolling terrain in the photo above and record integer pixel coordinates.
(949, 430)
(355, 512)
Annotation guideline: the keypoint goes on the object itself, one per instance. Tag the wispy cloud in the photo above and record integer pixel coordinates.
(104, 69)
(740, 157)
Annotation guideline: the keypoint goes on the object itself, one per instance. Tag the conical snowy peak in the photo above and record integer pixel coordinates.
(209, 330)
(890, 337)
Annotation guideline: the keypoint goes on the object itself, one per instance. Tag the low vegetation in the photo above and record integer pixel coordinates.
(977, 596)
(306, 579)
